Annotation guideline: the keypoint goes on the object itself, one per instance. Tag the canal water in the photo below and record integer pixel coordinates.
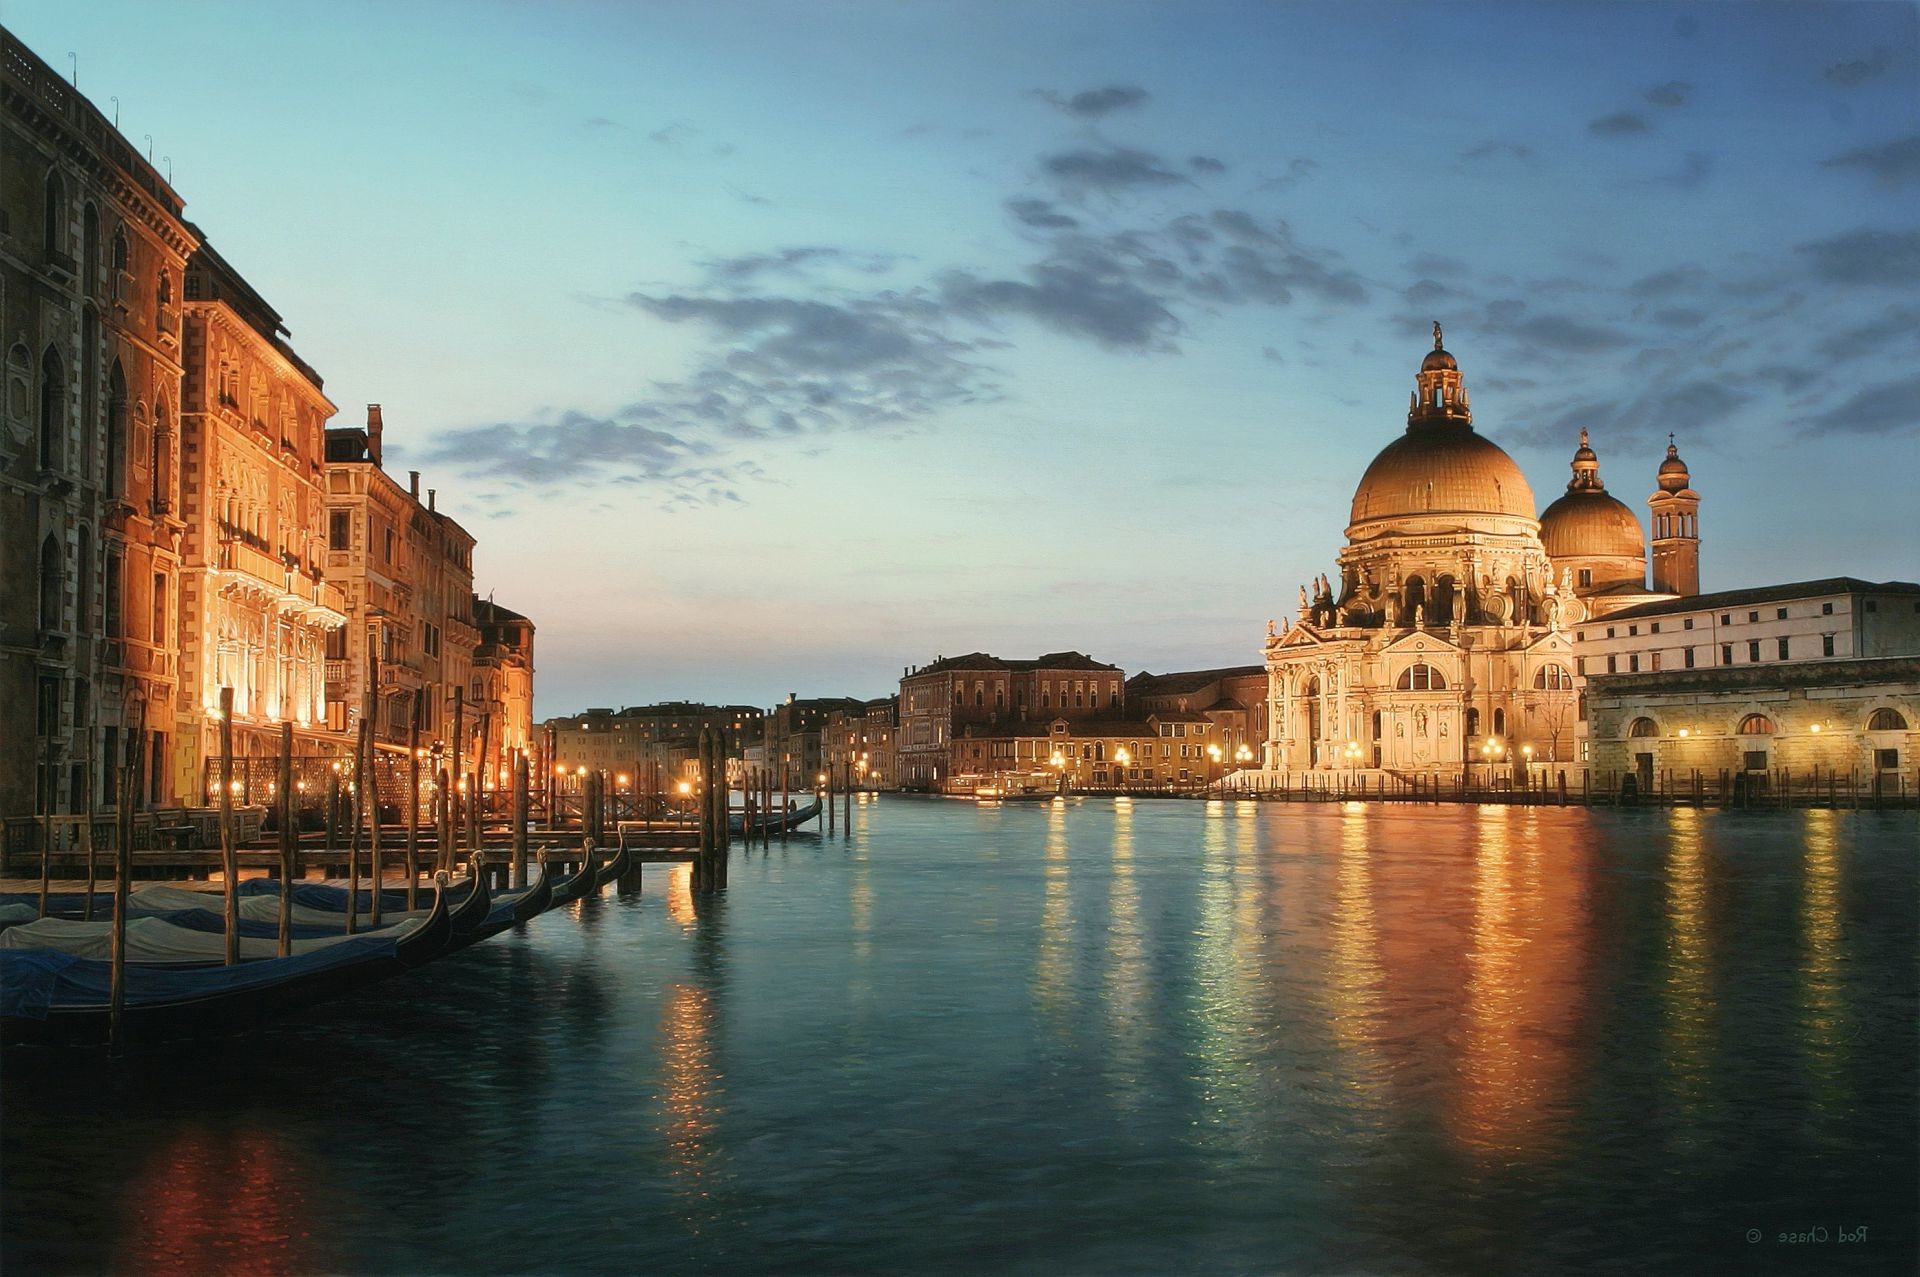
(1085, 1036)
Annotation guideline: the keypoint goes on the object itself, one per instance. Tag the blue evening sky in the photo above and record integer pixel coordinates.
(774, 347)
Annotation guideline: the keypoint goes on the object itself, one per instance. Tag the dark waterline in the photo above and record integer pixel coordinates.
(1086, 1037)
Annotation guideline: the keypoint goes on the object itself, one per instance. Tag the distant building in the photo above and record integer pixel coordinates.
(503, 688)
(650, 744)
(795, 740)
(1160, 751)
(1810, 675)
(407, 571)
(978, 694)
(858, 742)
(1234, 700)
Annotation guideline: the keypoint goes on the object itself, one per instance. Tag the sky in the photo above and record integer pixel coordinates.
(772, 348)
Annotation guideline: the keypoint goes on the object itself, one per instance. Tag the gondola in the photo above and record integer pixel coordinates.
(570, 889)
(772, 822)
(614, 869)
(52, 998)
(509, 909)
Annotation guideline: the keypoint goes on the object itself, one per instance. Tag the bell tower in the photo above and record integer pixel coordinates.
(1441, 397)
(1676, 528)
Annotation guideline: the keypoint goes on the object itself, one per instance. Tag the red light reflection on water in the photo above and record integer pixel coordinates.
(215, 1203)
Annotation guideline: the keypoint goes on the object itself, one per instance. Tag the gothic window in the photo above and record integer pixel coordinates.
(1756, 725)
(53, 394)
(90, 250)
(19, 376)
(120, 255)
(1642, 728)
(162, 458)
(50, 583)
(83, 577)
(54, 227)
(116, 429)
(1886, 720)
(1421, 678)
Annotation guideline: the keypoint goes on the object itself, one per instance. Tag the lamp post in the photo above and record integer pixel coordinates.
(1351, 752)
(1213, 761)
(1526, 755)
(1059, 761)
(1121, 760)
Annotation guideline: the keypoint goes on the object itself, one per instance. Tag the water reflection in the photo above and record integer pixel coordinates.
(1053, 963)
(218, 1202)
(1354, 977)
(1126, 967)
(1686, 993)
(1823, 1018)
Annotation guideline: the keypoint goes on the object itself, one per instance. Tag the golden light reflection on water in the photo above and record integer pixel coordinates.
(231, 1202)
(680, 895)
(1126, 990)
(1688, 1013)
(687, 1024)
(1222, 991)
(860, 899)
(1053, 965)
(1823, 1018)
(1354, 975)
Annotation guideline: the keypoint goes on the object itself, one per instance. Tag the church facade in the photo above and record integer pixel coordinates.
(1444, 638)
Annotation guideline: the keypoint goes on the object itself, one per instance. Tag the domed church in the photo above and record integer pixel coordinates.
(1444, 637)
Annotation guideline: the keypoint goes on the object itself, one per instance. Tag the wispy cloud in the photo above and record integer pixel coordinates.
(1111, 168)
(1887, 409)
(1094, 104)
(1619, 124)
(1892, 164)
(1855, 72)
(1671, 94)
(1866, 256)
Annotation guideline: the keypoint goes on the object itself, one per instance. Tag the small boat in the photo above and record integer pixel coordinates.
(614, 869)
(570, 889)
(52, 998)
(510, 908)
(772, 822)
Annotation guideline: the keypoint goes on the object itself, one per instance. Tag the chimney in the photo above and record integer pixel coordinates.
(373, 433)
(430, 496)
(413, 484)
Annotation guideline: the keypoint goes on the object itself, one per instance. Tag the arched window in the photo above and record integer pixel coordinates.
(1421, 678)
(53, 403)
(89, 387)
(55, 226)
(1441, 613)
(162, 457)
(1473, 721)
(163, 289)
(1756, 725)
(121, 257)
(50, 583)
(1499, 722)
(1416, 596)
(1100, 751)
(19, 379)
(90, 251)
(1552, 678)
(1643, 727)
(83, 582)
(1886, 720)
(116, 430)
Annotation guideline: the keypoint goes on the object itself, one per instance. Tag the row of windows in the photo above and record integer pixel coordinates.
(1880, 720)
(1782, 649)
(1753, 618)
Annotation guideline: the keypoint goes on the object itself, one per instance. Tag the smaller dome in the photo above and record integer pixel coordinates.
(1438, 360)
(1591, 523)
(1585, 451)
(1673, 471)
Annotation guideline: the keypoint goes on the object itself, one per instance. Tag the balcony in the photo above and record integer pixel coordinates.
(293, 589)
(166, 322)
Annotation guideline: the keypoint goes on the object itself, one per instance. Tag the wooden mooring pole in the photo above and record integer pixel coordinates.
(357, 800)
(117, 950)
(229, 861)
(520, 783)
(376, 872)
(86, 825)
(413, 804)
(289, 860)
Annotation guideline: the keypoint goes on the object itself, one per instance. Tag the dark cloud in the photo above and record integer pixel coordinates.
(672, 134)
(1298, 169)
(1619, 124)
(1497, 149)
(1894, 164)
(748, 268)
(1094, 104)
(1272, 355)
(1687, 278)
(1426, 291)
(1083, 290)
(1888, 409)
(1695, 168)
(1112, 169)
(1688, 406)
(1865, 256)
(1563, 332)
(1041, 214)
(1206, 164)
(1895, 324)
(1679, 317)
(1437, 264)
(600, 123)
(1672, 93)
(1857, 71)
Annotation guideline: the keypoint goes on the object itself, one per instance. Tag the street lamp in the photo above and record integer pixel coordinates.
(1352, 755)
(1122, 760)
(1060, 761)
(1213, 761)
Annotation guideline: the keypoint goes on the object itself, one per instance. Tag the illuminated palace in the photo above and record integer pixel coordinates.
(1447, 625)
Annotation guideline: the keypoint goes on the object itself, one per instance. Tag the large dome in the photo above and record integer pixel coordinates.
(1591, 522)
(1442, 468)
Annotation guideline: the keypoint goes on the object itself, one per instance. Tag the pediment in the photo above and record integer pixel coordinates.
(1419, 643)
(1553, 642)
